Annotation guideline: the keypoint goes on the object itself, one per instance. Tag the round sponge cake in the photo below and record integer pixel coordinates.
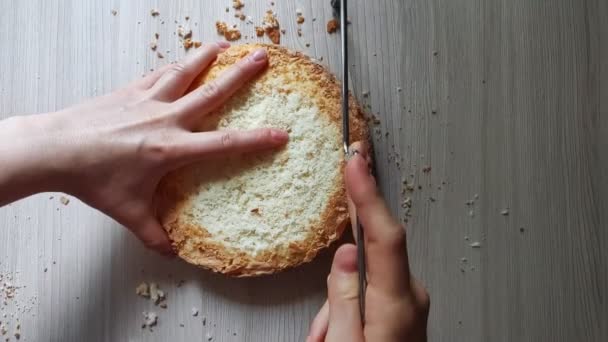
(264, 212)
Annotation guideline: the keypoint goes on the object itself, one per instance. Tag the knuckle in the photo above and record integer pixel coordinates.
(424, 301)
(157, 149)
(264, 134)
(210, 90)
(391, 238)
(227, 140)
(178, 68)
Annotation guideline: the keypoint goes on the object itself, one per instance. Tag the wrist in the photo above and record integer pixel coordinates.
(32, 155)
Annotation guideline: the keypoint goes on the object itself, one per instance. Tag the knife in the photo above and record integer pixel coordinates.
(340, 6)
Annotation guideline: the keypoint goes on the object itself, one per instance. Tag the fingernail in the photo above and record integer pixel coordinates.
(279, 136)
(223, 45)
(259, 55)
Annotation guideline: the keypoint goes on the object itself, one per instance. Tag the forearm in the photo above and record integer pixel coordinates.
(26, 158)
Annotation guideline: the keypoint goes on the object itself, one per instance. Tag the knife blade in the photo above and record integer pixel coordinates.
(341, 7)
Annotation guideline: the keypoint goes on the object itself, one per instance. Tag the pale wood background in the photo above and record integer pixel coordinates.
(504, 99)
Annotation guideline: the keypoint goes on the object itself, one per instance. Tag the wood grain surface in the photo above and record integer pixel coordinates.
(496, 112)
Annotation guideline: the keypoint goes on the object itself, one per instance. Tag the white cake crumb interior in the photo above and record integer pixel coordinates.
(284, 192)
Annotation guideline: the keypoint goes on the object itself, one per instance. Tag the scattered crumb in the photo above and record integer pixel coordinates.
(435, 53)
(463, 259)
(64, 200)
(475, 244)
(505, 212)
(197, 44)
(188, 43)
(307, 44)
(299, 32)
(466, 238)
(521, 229)
(426, 169)
(114, 12)
(204, 321)
(230, 34)
(271, 27)
(237, 4)
(259, 31)
(283, 31)
(150, 319)
(163, 305)
(255, 211)
(153, 46)
(407, 202)
(156, 294)
(332, 26)
(181, 325)
(300, 19)
(209, 337)
(194, 312)
(154, 12)
(183, 32)
(242, 17)
(143, 290)
(159, 55)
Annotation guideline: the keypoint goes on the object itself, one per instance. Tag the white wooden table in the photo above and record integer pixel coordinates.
(504, 99)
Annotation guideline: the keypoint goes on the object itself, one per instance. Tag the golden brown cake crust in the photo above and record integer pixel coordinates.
(192, 242)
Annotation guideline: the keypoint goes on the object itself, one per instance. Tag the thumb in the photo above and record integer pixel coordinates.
(343, 290)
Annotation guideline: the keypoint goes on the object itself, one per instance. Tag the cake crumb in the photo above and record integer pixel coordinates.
(160, 55)
(237, 4)
(153, 46)
(64, 200)
(475, 244)
(183, 32)
(259, 31)
(194, 312)
(230, 34)
(150, 319)
(114, 12)
(156, 294)
(332, 26)
(154, 12)
(143, 290)
(300, 19)
(271, 27)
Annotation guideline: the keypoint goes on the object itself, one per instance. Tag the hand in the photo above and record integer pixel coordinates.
(112, 151)
(396, 305)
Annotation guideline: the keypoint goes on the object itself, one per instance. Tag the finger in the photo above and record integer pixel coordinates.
(196, 146)
(175, 81)
(213, 93)
(343, 291)
(318, 328)
(149, 80)
(150, 232)
(360, 148)
(385, 241)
